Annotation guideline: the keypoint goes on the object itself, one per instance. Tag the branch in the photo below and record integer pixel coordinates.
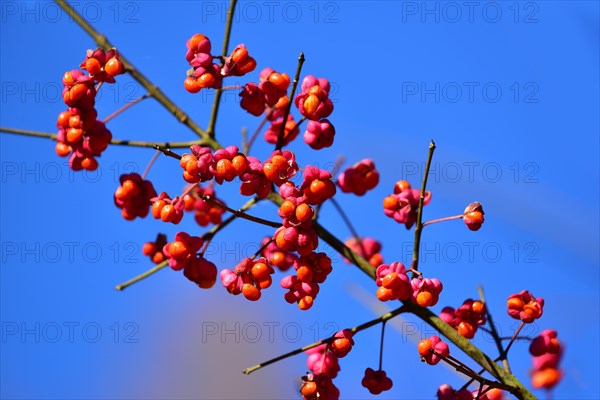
(118, 142)
(218, 92)
(384, 318)
(102, 41)
(281, 137)
(419, 228)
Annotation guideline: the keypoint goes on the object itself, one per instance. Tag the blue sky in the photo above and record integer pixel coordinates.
(508, 90)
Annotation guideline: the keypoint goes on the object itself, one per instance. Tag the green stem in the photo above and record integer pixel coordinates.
(117, 142)
(356, 329)
(419, 228)
(142, 276)
(219, 92)
(102, 41)
(281, 137)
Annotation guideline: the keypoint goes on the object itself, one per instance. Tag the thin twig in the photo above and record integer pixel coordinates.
(356, 329)
(281, 136)
(219, 92)
(419, 226)
(117, 142)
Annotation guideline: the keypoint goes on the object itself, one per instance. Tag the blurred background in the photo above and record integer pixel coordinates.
(508, 90)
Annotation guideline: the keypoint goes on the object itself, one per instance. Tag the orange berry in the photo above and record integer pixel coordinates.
(89, 163)
(305, 303)
(158, 257)
(545, 378)
(466, 330)
(191, 85)
(188, 202)
(206, 80)
(311, 103)
(287, 208)
(68, 79)
(304, 212)
(476, 217)
(278, 258)
(196, 39)
(240, 164)
(317, 91)
(384, 294)
(77, 92)
(63, 119)
(514, 303)
(309, 389)
(424, 299)
(225, 169)
(62, 149)
(187, 157)
(127, 215)
(149, 248)
(93, 66)
(390, 280)
(114, 67)
(74, 135)
(189, 178)
(305, 273)
(478, 307)
(424, 346)
(168, 213)
(341, 345)
(281, 81)
(157, 207)
(265, 282)
(75, 121)
(130, 188)
(390, 203)
(401, 186)
(260, 270)
(179, 250)
(281, 242)
(251, 292)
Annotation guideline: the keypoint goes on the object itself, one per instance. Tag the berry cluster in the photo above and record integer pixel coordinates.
(276, 257)
(368, 248)
(403, 204)
(393, 282)
(311, 270)
(79, 132)
(432, 350)
(270, 93)
(207, 74)
(205, 212)
(248, 277)
(376, 381)
(290, 130)
(426, 291)
(466, 318)
(167, 209)
(547, 352)
(202, 165)
(525, 307)
(154, 249)
(323, 362)
(445, 392)
(359, 178)
(183, 254)
(134, 196)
